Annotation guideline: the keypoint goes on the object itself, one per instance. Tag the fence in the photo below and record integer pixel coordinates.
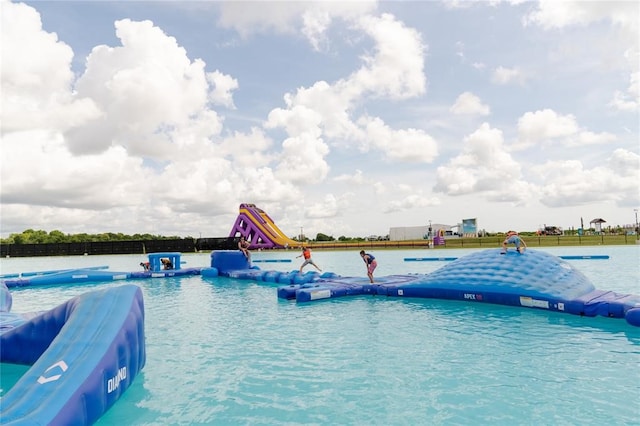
(485, 242)
(187, 245)
(111, 247)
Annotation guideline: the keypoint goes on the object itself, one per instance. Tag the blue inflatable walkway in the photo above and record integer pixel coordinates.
(534, 279)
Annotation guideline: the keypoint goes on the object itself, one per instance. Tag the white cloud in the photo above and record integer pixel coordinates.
(468, 103)
(484, 166)
(325, 208)
(309, 18)
(132, 137)
(545, 125)
(630, 100)
(55, 178)
(251, 149)
(223, 85)
(502, 75)
(36, 88)
(624, 19)
(356, 179)
(396, 69)
(558, 14)
(303, 152)
(568, 183)
(406, 145)
(147, 88)
(411, 202)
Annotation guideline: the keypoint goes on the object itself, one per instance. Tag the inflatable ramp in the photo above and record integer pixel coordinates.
(83, 354)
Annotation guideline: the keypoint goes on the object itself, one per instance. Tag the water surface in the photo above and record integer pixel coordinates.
(224, 351)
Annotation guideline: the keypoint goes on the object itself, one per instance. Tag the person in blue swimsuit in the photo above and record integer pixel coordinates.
(371, 263)
(513, 238)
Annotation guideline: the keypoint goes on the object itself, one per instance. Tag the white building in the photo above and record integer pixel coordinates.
(405, 233)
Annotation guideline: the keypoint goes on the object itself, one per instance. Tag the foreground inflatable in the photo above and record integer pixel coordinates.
(534, 279)
(83, 354)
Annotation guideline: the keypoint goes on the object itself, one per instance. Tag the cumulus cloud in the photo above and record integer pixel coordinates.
(223, 87)
(628, 100)
(54, 179)
(406, 145)
(394, 71)
(303, 152)
(468, 103)
(484, 166)
(133, 139)
(146, 89)
(36, 88)
(546, 125)
(568, 183)
(247, 149)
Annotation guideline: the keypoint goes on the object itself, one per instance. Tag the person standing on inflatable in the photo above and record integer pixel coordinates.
(371, 263)
(513, 238)
(306, 252)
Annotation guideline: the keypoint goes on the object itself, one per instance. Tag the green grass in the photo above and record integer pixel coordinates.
(485, 242)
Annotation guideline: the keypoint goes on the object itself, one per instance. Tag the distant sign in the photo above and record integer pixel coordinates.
(469, 226)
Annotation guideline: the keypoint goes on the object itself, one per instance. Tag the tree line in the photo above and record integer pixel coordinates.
(31, 236)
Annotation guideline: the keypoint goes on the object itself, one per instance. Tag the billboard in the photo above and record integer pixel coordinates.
(470, 227)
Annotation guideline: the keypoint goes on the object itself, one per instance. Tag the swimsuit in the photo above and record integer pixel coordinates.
(371, 263)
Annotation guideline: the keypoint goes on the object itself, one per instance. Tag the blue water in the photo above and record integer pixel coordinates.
(228, 352)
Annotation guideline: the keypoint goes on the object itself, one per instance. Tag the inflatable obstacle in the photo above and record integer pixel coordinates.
(534, 279)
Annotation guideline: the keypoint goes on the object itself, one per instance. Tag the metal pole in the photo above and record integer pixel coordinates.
(636, 212)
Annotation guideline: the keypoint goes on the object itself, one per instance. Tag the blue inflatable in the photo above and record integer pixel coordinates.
(159, 265)
(534, 279)
(83, 354)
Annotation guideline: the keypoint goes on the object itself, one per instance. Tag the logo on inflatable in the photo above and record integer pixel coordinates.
(60, 365)
(472, 296)
(114, 382)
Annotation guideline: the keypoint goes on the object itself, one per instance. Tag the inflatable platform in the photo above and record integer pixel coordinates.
(83, 355)
(534, 279)
(159, 265)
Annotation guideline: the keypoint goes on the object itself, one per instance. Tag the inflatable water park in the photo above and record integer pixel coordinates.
(85, 353)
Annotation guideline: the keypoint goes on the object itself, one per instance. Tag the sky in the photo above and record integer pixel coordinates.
(345, 118)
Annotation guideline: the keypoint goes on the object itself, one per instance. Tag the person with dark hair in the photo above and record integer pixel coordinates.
(243, 246)
(166, 263)
(371, 263)
(145, 265)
